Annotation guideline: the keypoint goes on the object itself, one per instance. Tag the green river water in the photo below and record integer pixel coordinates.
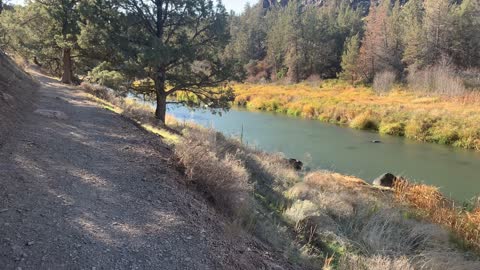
(349, 151)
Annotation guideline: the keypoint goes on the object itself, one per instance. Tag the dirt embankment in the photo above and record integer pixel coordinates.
(17, 92)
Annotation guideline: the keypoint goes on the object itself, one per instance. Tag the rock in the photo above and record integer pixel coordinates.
(51, 114)
(385, 180)
(376, 141)
(295, 164)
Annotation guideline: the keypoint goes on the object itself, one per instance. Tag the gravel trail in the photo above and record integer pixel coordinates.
(82, 188)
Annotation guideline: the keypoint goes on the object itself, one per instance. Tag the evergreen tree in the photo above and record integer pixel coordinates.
(413, 37)
(349, 60)
(437, 28)
(65, 15)
(179, 46)
(465, 47)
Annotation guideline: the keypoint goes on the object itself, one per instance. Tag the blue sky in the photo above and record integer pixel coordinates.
(236, 5)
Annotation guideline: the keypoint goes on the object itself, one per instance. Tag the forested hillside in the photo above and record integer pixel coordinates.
(295, 41)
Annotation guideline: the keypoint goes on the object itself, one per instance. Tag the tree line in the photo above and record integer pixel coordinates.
(175, 46)
(184, 51)
(299, 41)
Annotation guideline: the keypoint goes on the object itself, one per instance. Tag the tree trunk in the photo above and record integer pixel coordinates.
(67, 76)
(161, 109)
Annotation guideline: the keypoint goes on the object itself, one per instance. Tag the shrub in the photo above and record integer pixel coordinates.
(383, 82)
(97, 90)
(223, 178)
(440, 79)
(432, 204)
(445, 132)
(364, 121)
(396, 129)
(109, 78)
(418, 128)
(471, 78)
(354, 262)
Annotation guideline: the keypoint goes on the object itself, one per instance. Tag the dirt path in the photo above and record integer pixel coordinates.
(85, 189)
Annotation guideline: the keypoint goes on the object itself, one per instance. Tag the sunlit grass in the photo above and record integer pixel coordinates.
(430, 203)
(165, 134)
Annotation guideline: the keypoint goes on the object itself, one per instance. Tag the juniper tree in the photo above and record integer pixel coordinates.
(179, 45)
(65, 15)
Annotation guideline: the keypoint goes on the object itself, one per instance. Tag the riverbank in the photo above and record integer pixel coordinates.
(443, 120)
(319, 219)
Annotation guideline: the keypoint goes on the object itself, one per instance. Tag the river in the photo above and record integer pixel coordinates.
(348, 151)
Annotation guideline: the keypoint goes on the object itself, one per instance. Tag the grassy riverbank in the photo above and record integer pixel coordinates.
(444, 120)
(319, 219)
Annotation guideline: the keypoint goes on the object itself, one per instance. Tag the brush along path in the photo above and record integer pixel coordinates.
(81, 188)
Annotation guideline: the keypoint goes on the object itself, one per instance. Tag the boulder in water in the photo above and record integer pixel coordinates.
(295, 164)
(385, 180)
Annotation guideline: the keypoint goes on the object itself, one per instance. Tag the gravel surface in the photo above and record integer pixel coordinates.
(82, 188)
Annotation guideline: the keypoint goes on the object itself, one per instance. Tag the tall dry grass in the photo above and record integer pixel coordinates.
(465, 223)
(384, 82)
(441, 79)
(222, 177)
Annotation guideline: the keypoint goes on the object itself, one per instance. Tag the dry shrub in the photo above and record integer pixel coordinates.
(354, 262)
(97, 90)
(471, 97)
(386, 232)
(258, 71)
(344, 207)
(222, 177)
(314, 80)
(471, 78)
(383, 82)
(440, 79)
(431, 203)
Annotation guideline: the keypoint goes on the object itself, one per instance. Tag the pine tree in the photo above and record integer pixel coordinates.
(413, 37)
(65, 14)
(465, 47)
(349, 60)
(179, 46)
(437, 28)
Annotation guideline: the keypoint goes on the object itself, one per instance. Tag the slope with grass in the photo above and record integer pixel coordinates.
(431, 118)
(318, 219)
(17, 92)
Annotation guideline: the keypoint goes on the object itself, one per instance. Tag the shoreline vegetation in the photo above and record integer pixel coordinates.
(317, 219)
(442, 119)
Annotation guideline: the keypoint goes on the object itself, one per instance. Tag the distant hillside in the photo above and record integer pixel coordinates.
(364, 4)
(16, 94)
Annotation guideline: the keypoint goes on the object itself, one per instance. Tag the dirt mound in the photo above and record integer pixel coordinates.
(17, 91)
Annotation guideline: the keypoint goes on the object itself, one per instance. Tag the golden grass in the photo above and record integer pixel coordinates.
(438, 119)
(433, 205)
